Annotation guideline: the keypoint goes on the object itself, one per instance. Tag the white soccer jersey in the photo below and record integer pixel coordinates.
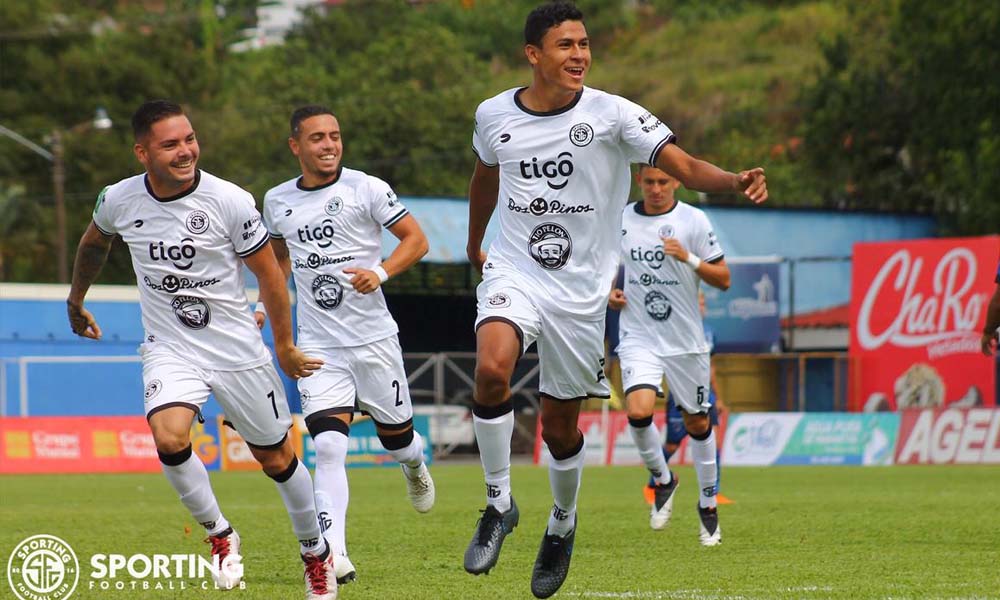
(185, 252)
(328, 229)
(661, 313)
(564, 178)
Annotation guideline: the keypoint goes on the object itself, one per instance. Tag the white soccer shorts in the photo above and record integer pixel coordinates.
(688, 376)
(373, 374)
(253, 400)
(570, 349)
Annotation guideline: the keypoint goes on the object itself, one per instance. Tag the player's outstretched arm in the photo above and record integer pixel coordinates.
(702, 176)
(280, 249)
(715, 274)
(483, 190)
(989, 339)
(91, 254)
(412, 247)
(274, 294)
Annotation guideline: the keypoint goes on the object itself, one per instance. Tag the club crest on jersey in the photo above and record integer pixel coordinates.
(627, 373)
(197, 221)
(550, 246)
(665, 231)
(192, 312)
(658, 306)
(498, 300)
(327, 292)
(581, 134)
(152, 389)
(334, 206)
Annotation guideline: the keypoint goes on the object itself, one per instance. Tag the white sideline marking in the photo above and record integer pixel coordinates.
(694, 593)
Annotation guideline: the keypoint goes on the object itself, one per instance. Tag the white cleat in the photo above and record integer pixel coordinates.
(344, 569)
(710, 534)
(227, 547)
(320, 576)
(663, 504)
(419, 487)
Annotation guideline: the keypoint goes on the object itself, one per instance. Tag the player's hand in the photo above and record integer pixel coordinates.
(672, 247)
(753, 184)
(82, 322)
(616, 301)
(364, 281)
(989, 343)
(477, 257)
(297, 365)
(260, 318)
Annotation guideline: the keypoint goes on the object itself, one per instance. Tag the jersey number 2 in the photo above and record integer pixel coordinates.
(395, 384)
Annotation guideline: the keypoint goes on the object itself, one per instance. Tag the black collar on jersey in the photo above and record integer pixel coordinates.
(149, 190)
(304, 188)
(548, 113)
(640, 209)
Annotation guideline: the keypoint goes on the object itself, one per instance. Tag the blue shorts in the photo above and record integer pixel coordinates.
(675, 420)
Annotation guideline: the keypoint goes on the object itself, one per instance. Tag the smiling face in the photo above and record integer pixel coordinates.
(169, 152)
(563, 58)
(657, 188)
(319, 148)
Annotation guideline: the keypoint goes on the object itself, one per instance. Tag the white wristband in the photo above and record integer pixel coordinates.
(260, 308)
(382, 275)
(693, 261)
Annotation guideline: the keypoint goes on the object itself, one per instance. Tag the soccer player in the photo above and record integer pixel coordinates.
(326, 230)
(187, 231)
(556, 154)
(989, 339)
(668, 248)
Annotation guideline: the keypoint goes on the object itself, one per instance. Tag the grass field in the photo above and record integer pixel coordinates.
(810, 532)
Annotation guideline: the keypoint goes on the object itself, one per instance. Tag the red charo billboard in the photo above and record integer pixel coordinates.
(917, 307)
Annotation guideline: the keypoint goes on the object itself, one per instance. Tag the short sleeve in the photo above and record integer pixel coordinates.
(246, 230)
(642, 134)
(480, 142)
(103, 219)
(268, 215)
(385, 207)
(705, 244)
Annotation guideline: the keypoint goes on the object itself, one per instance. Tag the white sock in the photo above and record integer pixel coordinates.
(190, 479)
(493, 437)
(647, 440)
(296, 490)
(412, 456)
(564, 478)
(332, 494)
(703, 455)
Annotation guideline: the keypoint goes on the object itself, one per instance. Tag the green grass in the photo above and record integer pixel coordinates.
(835, 532)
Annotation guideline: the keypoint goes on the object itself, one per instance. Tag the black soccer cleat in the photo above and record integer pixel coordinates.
(552, 564)
(710, 534)
(663, 504)
(492, 528)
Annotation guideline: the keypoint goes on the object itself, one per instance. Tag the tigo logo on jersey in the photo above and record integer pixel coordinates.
(327, 292)
(197, 221)
(182, 256)
(191, 312)
(43, 567)
(550, 246)
(658, 306)
(581, 134)
(320, 234)
(561, 167)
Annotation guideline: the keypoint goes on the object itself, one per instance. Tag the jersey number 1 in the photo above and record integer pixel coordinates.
(274, 403)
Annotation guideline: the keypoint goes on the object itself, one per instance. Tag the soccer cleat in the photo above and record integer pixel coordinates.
(492, 528)
(320, 575)
(710, 532)
(419, 487)
(552, 564)
(226, 545)
(344, 569)
(663, 504)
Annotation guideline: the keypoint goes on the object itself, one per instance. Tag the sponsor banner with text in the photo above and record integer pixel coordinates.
(364, 448)
(76, 445)
(962, 436)
(916, 310)
(745, 318)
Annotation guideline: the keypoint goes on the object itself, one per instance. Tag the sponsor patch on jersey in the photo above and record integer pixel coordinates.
(197, 221)
(550, 245)
(334, 206)
(173, 283)
(192, 312)
(540, 206)
(152, 389)
(657, 306)
(327, 292)
(498, 300)
(581, 134)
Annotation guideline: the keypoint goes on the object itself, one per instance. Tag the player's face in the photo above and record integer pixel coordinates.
(170, 152)
(564, 57)
(550, 254)
(319, 146)
(657, 187)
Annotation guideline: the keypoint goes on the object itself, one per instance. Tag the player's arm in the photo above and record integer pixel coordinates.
(616, 299)
(483, 190)
(412, 247)
(274, 295)
(285, 264)
(989, 339)
(91, 254)
(703, 176)
(715, 274)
